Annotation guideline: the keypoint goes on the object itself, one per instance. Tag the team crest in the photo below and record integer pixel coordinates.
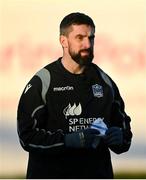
(97, 90)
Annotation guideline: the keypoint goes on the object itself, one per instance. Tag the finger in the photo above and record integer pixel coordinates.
(114, 133)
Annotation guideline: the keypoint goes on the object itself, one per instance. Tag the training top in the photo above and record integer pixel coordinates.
(56, 102)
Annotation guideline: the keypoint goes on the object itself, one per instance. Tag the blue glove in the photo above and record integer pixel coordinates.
(81, 139)
(114, 136)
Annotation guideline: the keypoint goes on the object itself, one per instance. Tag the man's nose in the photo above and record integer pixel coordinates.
(87, 43)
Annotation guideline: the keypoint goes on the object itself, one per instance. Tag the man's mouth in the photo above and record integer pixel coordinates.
(85, 52)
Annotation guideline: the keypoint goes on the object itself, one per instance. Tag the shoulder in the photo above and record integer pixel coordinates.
(106, 78)
(41, 79)
(44, 73)
(52, 65)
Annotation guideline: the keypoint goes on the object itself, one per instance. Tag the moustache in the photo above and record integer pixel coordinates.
(86, 50)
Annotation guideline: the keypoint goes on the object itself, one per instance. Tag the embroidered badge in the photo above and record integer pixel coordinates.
(97, 90)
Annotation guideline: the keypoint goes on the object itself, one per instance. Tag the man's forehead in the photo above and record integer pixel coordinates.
(82, 29)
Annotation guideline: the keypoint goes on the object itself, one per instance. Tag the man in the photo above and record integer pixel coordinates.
(71, 113)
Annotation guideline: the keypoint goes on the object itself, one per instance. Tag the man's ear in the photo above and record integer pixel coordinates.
(63, 41)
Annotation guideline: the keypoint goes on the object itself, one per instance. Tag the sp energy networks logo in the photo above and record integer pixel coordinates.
(72, 110)
(76, 121)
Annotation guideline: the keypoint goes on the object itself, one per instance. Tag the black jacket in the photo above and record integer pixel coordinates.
(56, 102)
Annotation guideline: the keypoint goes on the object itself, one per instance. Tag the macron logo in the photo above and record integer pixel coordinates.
(66, 88)
(27, 88)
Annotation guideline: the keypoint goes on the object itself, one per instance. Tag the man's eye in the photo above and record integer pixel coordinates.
(80, 37)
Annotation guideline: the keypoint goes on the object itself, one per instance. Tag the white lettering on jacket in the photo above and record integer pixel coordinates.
(66, 88)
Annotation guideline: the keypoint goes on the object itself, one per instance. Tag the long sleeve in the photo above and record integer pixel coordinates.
(32, 116)
(120, 119)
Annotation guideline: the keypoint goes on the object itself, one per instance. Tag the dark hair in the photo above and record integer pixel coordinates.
(75, 19)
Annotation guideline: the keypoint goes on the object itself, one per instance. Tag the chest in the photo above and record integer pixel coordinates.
(74, 104)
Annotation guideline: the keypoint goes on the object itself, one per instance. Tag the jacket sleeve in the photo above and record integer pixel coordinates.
(120, 119)
(31, 119)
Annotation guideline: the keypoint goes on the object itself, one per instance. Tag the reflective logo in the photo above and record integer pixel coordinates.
(66, 88)
(72, 110)
(97, 90)
(27, 88)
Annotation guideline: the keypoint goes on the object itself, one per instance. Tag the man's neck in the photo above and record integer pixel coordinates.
(72, 66)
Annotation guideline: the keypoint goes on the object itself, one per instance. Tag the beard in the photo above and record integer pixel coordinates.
(82, 60)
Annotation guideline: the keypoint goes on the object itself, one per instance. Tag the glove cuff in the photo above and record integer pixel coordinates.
(82, 139)
(75, 140)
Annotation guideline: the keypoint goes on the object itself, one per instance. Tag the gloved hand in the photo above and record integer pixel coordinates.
(82, 138)
(114, 136)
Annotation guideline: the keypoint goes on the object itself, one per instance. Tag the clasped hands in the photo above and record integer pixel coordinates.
(90, 138)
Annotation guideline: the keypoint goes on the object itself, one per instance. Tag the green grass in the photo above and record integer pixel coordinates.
(13, 176)
(130, 175)
(117, 175)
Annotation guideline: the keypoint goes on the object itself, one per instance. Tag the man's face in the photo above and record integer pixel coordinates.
(80, 44)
